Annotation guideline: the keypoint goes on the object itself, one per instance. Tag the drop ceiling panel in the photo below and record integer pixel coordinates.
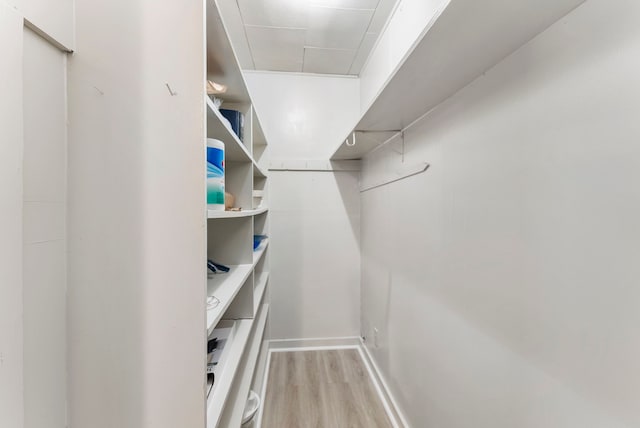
(235, 27)
(330, 61)
(363, 53)
(273, 34)
(381, 15)
(274, 13)
(278, 49)
(337, 28)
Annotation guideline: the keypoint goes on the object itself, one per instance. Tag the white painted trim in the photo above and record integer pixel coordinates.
(314, 343)
(300, 73)
(48, 37)
(263, 391)
(391, 406)
(313, 348)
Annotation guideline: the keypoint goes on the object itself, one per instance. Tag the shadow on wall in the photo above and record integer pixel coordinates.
(315, 255)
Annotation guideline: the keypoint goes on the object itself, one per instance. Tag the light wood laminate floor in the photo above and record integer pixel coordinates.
(321, 389)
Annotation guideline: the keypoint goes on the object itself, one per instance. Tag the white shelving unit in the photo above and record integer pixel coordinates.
(242, 293)
(233, 417)
(228, 368)
(225, 287)
(453, 52)
(236, 214)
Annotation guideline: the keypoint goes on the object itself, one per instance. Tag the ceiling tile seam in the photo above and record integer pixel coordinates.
(333, 73)
(330, 49)
(392, 13)
(364, 35)
(341, 8)
(246, 36)
(305, 73)
(275, 28)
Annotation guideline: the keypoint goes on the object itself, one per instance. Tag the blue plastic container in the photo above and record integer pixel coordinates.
(257, 240)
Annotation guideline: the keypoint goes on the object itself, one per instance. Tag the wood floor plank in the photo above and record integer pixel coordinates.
(332, 368)
(321, 389)
(354, 369)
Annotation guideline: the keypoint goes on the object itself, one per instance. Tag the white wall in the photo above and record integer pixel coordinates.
(11, 153)
(504, 279)
(303, 115)
(55, 19)
(315, 255)
(52, 19)
(32, 194)
(136, 216)
(44, 227)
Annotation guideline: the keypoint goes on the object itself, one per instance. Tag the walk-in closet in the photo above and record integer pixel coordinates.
(319, 213)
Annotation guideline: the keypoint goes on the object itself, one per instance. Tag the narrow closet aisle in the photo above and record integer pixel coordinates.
(319, 213)
(326, 388)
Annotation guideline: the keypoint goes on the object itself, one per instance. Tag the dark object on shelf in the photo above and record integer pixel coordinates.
(212, 344)
(257, 240)
(217, 267)
(236, 119)
(210, 380)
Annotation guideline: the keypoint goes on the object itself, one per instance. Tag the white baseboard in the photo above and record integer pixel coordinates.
(283, 345)
(391, 406)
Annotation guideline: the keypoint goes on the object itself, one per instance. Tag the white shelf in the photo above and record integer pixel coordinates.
(222, 63)
(258, 135)
(235, 214)
(225, 286)
(258, 293)
(453, 52)
(259, 252)
(234, 410)
(257, 171)
(229, 363)
(234, 149)
(243, 174)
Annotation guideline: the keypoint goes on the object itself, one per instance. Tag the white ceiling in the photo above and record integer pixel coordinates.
(314, 36)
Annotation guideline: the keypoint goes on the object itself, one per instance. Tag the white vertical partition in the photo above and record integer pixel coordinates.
(137, 215)
(11, 152)
(44, 226)
(53, 19)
